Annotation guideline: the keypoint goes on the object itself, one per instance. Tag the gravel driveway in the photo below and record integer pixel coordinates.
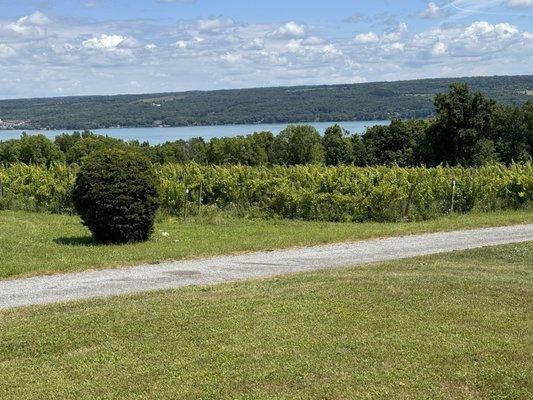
(82, 285)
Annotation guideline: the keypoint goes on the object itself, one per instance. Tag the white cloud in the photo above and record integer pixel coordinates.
(394, 47)
(478, 28)
(365, 38)
(105, 57)
(505, 30)
(214, 24)
(28, 26)
(254, 44)
(313, 41)
(290, 29)
(105, 42)
(181, 44)
(439, 49)
(294, 45)
(331, 50)
(129, 43)
(232, 58)
(6, 51)
(432, 11)
(37, 18)
(520, 3)
(395, 34)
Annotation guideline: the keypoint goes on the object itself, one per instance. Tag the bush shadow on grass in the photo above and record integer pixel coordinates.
(78, 241)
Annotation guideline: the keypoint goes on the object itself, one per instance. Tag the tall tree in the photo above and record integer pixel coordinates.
(513, 133)
(298, 144)
(337, 146)
(398, 143)
(463, 127)
(38, 149)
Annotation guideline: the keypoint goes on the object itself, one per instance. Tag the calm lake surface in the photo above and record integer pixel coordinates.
(161, 135)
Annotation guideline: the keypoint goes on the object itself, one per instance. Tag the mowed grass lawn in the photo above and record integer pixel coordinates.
(452, 326)
(41, 243)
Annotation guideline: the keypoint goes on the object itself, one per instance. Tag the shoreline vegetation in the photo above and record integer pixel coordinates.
(260, 123)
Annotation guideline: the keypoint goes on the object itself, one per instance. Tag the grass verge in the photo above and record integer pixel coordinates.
(42, 243)
(456, 325)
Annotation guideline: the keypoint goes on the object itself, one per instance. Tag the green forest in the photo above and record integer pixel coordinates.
(468, 129)
(364, 101)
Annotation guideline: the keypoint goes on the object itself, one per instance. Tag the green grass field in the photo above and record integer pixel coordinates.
(452, 326)
(41, 243)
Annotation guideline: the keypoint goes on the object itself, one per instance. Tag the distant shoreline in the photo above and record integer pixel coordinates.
(282, 105)
(157, 135)
(194, 126)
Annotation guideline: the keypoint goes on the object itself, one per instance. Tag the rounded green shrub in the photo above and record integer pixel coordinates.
(116, 195)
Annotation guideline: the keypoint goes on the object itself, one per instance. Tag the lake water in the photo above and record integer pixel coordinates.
(161, 135)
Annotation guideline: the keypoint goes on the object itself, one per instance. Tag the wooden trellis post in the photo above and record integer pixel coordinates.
(453, 195)
(186, 198)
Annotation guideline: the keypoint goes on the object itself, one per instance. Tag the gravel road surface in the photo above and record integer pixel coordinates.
(108, 282)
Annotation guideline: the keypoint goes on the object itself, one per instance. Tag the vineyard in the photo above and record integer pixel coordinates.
(312, 192)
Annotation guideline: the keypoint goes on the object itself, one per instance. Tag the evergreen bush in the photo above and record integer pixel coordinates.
(116, 195)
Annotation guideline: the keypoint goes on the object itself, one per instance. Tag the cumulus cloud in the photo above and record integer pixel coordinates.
(29, 26)
(105, 42)
(482, 28)
(37, 18)
(478, 29)
(365, 38)
(218, 52)
(290, 29)
(505, 30)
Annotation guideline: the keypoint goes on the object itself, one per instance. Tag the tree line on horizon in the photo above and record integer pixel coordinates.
(469, 129)
(412, 99)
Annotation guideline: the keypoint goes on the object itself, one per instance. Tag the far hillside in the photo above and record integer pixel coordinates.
(364, 101)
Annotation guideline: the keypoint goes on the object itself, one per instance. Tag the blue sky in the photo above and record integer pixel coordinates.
(75, 47)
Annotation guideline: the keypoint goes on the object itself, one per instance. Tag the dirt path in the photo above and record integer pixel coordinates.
(82, 285)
